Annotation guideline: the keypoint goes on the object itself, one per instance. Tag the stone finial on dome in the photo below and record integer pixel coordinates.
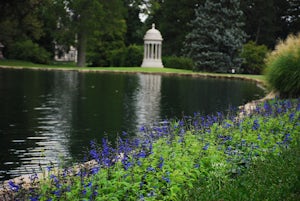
(153, 34)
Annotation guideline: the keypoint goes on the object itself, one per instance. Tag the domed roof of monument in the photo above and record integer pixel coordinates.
(153, 34)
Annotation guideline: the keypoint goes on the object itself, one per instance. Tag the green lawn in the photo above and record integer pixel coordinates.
(72, 66)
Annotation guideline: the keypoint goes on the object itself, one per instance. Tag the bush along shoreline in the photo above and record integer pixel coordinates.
(181, 159)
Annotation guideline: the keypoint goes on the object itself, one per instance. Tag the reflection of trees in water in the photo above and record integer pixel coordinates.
(52, 122)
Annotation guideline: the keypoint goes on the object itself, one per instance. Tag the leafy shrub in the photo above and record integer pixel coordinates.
(283, 67)
(134, 56)
(130, 56)
(118, 57)
(178, 62)
(29, 51)
(253, 56)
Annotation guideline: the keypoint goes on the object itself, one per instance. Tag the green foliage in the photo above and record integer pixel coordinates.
(283, 67)
(217, 36)
(130, 56)
(118, 57)
(178, 62)
(174, 26)
(134, 33)
(47, 22)
(107, 37)
(29, 51)
(261, 21)
(254, 58)
(272, 178)
(134, 56)
(196, 158)
(266, 21)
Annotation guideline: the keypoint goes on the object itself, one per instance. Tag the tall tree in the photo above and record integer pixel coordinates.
(261, 21)
(172, 18)
(110, 35)
(134, 25)
(57, 27)
(20, 20)
(86, 17)
(97, 25)
(216, 37)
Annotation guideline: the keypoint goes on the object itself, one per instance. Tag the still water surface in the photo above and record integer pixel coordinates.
(48, 115)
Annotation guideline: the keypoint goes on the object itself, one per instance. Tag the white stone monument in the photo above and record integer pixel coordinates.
(152, 48)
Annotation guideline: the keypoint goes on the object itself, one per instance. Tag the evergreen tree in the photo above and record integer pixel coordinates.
(172, 18)
(216, 37)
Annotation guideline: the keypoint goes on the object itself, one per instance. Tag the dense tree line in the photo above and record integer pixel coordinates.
(95, 27)
(99, 27)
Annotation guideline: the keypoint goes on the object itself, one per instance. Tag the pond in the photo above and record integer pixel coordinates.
(51, 116)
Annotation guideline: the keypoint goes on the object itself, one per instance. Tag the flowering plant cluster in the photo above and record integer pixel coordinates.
(170, 157)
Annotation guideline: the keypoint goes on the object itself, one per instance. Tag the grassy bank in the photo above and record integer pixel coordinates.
(213, 157)
(170, 71)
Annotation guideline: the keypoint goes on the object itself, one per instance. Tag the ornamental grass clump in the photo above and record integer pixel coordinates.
(194, 157)
(283, 67)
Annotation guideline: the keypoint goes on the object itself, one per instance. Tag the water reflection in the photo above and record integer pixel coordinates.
(45, 133)
(45, 115)
(148, 99)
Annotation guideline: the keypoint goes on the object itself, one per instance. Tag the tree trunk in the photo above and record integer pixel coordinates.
(257, 33)
(82, 43)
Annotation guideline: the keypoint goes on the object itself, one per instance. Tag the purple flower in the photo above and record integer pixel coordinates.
(139, 163)
(227, 125)
(57, 193)
(150, 169)
(54, 178)
(181, 123)
(33, 177)
(143, 129)
(161, 163)
(34, 198)
(259, 137)
(49, 168)
(14, 187)
(126, 163)
(292, 116)
(151, 194)
(94, 154)
(167, 179)
(95, 170)
(267, 108)
(287, 138)
(124, 133)
(206, 146)
(150, 148)
(255, 125)
(141, 154)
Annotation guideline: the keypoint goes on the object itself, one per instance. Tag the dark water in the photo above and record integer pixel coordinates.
(52, 115)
